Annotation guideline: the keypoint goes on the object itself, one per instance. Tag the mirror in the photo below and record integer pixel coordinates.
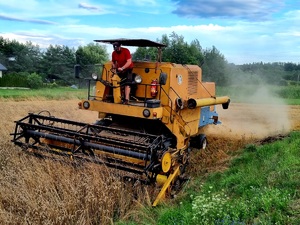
(163, 78)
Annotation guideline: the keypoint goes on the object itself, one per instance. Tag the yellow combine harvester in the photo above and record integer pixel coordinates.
(151, 137)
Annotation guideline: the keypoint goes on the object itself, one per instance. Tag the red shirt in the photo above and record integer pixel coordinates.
(121, 57)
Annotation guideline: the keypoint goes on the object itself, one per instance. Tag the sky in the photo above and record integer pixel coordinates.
(244, 31)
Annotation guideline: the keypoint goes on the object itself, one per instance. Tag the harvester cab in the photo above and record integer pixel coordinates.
(151, 137)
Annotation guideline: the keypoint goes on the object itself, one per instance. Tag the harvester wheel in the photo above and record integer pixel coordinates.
(203, 141)
(199, 142)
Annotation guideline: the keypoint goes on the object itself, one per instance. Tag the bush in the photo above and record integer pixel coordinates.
(290, 91)
(14, 79)
(34, 81)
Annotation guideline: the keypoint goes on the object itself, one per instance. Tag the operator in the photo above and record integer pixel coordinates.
(122, 62)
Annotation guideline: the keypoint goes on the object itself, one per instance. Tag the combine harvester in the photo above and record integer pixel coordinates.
(151, 137)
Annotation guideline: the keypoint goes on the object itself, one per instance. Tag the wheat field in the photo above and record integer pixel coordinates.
(46, 191)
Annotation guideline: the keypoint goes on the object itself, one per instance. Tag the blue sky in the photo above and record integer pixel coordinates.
(243, 31)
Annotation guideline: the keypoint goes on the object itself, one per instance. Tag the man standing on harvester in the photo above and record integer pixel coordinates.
(122, 62)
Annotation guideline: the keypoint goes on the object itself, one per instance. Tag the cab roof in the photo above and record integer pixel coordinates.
(133, 42)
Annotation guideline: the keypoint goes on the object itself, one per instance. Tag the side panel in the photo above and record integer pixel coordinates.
(191, 118)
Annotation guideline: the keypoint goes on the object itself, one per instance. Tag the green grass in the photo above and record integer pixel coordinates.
(261, 186)
(44, 93)
(292, 101)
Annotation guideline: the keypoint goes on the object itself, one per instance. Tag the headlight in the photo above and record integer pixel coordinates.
(86, 104)
(146, 113)
(94, 76)
(138, 79)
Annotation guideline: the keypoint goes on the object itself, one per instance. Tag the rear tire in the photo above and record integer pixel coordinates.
(199, 142)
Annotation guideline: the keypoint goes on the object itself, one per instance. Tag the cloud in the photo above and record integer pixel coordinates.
(38, 10)
(10, 18)
(43, 40)
(88, 7)
(254, 10)
(238, 29)
(243, 42)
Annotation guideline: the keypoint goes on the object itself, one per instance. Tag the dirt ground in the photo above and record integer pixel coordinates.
(240, 120)
(256, 120)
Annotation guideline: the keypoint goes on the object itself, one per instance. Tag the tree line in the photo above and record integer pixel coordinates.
(55, 65)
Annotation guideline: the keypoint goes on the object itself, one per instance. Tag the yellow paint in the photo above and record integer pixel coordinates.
(167, 184)
(117, 91)
(161, 179)
(211, 101)
(166, 162)
(120, 109)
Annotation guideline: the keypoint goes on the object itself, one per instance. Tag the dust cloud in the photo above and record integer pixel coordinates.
(260, 115)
